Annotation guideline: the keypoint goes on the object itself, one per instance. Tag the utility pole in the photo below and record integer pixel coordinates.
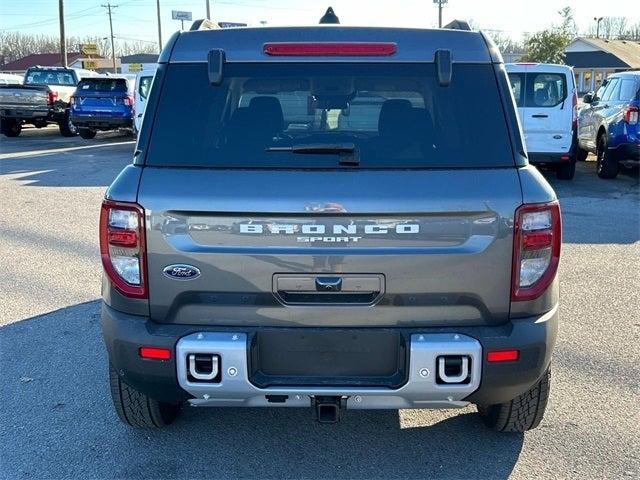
(208, 11)
(159, 27)
(63, 38)
(108, 6)
(440, 4)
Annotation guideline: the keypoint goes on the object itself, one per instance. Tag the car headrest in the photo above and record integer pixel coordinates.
(394, 114)
(267, 110)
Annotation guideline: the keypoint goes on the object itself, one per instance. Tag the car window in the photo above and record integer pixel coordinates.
(601, 91)
(611, 89)
(396, 117)
(545, 89)
(115, 85)
(517, 87)
(49, 77)
(629, 89)
(145, 85)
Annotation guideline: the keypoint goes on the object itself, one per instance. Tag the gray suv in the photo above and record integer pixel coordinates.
(332, 218)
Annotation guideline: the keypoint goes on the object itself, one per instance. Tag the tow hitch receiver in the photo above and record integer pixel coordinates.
(328, 409)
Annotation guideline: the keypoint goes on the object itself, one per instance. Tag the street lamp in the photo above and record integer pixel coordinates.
(598, 20)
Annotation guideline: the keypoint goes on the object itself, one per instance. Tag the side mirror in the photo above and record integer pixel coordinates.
(588, 98)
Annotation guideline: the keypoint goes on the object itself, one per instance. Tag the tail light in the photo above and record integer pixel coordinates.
(52, 97)
(122, 247)
(128, 101)
(536, 249)
(574, 106)
(631, 115)
(330, 49)
(73, 101)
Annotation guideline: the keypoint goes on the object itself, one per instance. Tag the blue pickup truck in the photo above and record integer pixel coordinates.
(608, 124)
(102, 103)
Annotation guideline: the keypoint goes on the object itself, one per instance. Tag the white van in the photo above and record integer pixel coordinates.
(547, 102)
(144, 80)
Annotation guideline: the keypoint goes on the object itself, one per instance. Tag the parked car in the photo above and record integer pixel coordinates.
(102, 103)
(547, 101)
(403, 258)
(11, 79)
(608, 123)
(42, 99)
(143, 83)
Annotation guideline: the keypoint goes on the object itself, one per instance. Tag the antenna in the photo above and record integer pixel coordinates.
(329, 17)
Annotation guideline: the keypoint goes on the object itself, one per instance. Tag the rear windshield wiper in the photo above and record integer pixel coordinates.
(348, 153)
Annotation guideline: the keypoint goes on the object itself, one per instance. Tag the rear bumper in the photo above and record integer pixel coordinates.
(626, 151)
(537, 157)
(29, 114)
(101, 123)
(489, 383)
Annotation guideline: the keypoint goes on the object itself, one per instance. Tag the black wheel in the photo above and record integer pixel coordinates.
(138, 410)
(11, 127)
(87, 133)
(581, 155)
(606, 166)
(67, 128)
(566, 170)
(523, 413)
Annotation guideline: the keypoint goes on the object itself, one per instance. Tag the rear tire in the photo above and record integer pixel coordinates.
(581, 155)
(10, 127)
(136, 409)
(523, 413)
(67, 128)
(87, 133)
(566, 170)
(606, 166)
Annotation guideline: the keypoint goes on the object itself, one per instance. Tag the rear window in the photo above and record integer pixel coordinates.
(49, 77)
(539, 90)
(395, 116)
(116, 85)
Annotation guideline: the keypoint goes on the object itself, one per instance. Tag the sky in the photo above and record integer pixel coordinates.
(136, 19)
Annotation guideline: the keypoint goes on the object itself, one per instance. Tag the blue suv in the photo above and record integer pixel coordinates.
(608, 123)
(102, 103)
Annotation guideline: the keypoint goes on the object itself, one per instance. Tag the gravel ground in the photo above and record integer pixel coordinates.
(56, 419)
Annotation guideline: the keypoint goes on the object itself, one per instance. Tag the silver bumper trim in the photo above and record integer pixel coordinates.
(420, 391)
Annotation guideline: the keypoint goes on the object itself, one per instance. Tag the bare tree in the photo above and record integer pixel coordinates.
(15, 45)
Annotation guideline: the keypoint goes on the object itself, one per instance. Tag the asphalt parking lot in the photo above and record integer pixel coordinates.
(56, 414)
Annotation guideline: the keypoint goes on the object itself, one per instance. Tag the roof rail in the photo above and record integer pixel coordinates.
(458, 25)
(203, 24)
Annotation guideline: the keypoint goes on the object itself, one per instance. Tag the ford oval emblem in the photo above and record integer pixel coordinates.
(181, 272)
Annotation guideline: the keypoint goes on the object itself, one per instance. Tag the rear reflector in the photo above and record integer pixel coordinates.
(503, 356)
(153, 353)
(331, 49)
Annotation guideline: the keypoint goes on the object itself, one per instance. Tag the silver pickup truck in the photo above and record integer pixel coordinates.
(348, 220)
(42, 99)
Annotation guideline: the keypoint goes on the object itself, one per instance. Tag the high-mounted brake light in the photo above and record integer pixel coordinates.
(122, 247)
(330, 49)
(631, 115)
(536, 249)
